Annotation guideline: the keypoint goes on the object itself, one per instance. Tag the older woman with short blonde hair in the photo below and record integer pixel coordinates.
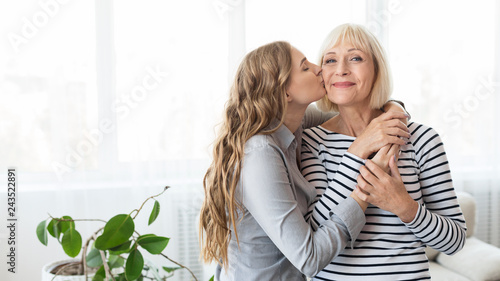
(409, 185)
(361, 39)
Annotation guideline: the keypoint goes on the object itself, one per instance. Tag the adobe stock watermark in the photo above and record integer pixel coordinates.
(383, 18)
(461, 110)
(31, 25)
(221, 7)
(122, 107)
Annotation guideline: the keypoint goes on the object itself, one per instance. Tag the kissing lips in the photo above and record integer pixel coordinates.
(343, 84)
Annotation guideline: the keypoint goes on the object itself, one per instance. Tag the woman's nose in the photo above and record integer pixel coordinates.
(317, 69)
(341, 70)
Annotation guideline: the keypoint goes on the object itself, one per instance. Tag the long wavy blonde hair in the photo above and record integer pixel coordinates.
(257, 97)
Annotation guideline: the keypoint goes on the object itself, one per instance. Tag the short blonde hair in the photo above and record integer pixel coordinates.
(361, 38)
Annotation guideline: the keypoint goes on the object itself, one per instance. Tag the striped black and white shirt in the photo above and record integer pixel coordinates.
(387, 248)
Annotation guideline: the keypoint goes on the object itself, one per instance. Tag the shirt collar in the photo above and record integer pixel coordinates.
(283, 136)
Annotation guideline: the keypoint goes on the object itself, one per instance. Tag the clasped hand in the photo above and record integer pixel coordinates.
(384, 130)
(379, 182)
(385, 191)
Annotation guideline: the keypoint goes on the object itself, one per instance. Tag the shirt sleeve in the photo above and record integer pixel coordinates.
(329, 193)
(439, 223)
(268, 195)
(315, 117)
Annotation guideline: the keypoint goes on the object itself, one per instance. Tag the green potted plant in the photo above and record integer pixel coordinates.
(112, 252)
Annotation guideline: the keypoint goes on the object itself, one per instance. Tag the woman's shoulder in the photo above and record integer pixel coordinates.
(418, 129)
(316, 133)
(260, 141)
(320, 137)
(323, 132)
(423, 137)
(266, 143)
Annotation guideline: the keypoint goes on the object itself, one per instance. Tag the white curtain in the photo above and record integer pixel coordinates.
(106, 102)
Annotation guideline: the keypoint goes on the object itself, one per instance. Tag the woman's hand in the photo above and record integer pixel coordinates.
(384, 155)
(385, 191)
(361, 203)
(383, 130)
(397, 106)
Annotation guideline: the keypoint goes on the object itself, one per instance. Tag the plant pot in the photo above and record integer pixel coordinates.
(49, 270)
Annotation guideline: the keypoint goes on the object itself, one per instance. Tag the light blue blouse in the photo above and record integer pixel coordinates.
(275, 241)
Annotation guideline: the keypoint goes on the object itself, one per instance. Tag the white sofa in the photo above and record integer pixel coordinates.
(476, 261)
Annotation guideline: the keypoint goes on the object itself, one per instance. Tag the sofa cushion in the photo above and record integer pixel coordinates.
(431, 253)
(468, 206)
(477, 261)
(440, 273)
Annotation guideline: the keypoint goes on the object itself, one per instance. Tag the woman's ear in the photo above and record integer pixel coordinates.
(288, 97)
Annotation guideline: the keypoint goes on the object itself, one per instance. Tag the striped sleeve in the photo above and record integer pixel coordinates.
(329, 191)
(439, 222)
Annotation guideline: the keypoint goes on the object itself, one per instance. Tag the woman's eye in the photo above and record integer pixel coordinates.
(330, 61)
(357, 59)
(306, 69)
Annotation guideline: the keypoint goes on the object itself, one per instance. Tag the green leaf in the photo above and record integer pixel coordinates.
(121, 277)
(100, 274)
(211, 278)
(41, 233)
(115, 261)
(170, 269)
(56, 227)
(94, 258)
(71, 242)
(154, 213)
(134, 265)
(116, 232)
(65, 225)
(147, 235)
(120, 249)
(53, 229)
(153, 244)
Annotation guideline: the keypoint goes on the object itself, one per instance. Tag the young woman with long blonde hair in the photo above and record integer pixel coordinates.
(252, 222)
